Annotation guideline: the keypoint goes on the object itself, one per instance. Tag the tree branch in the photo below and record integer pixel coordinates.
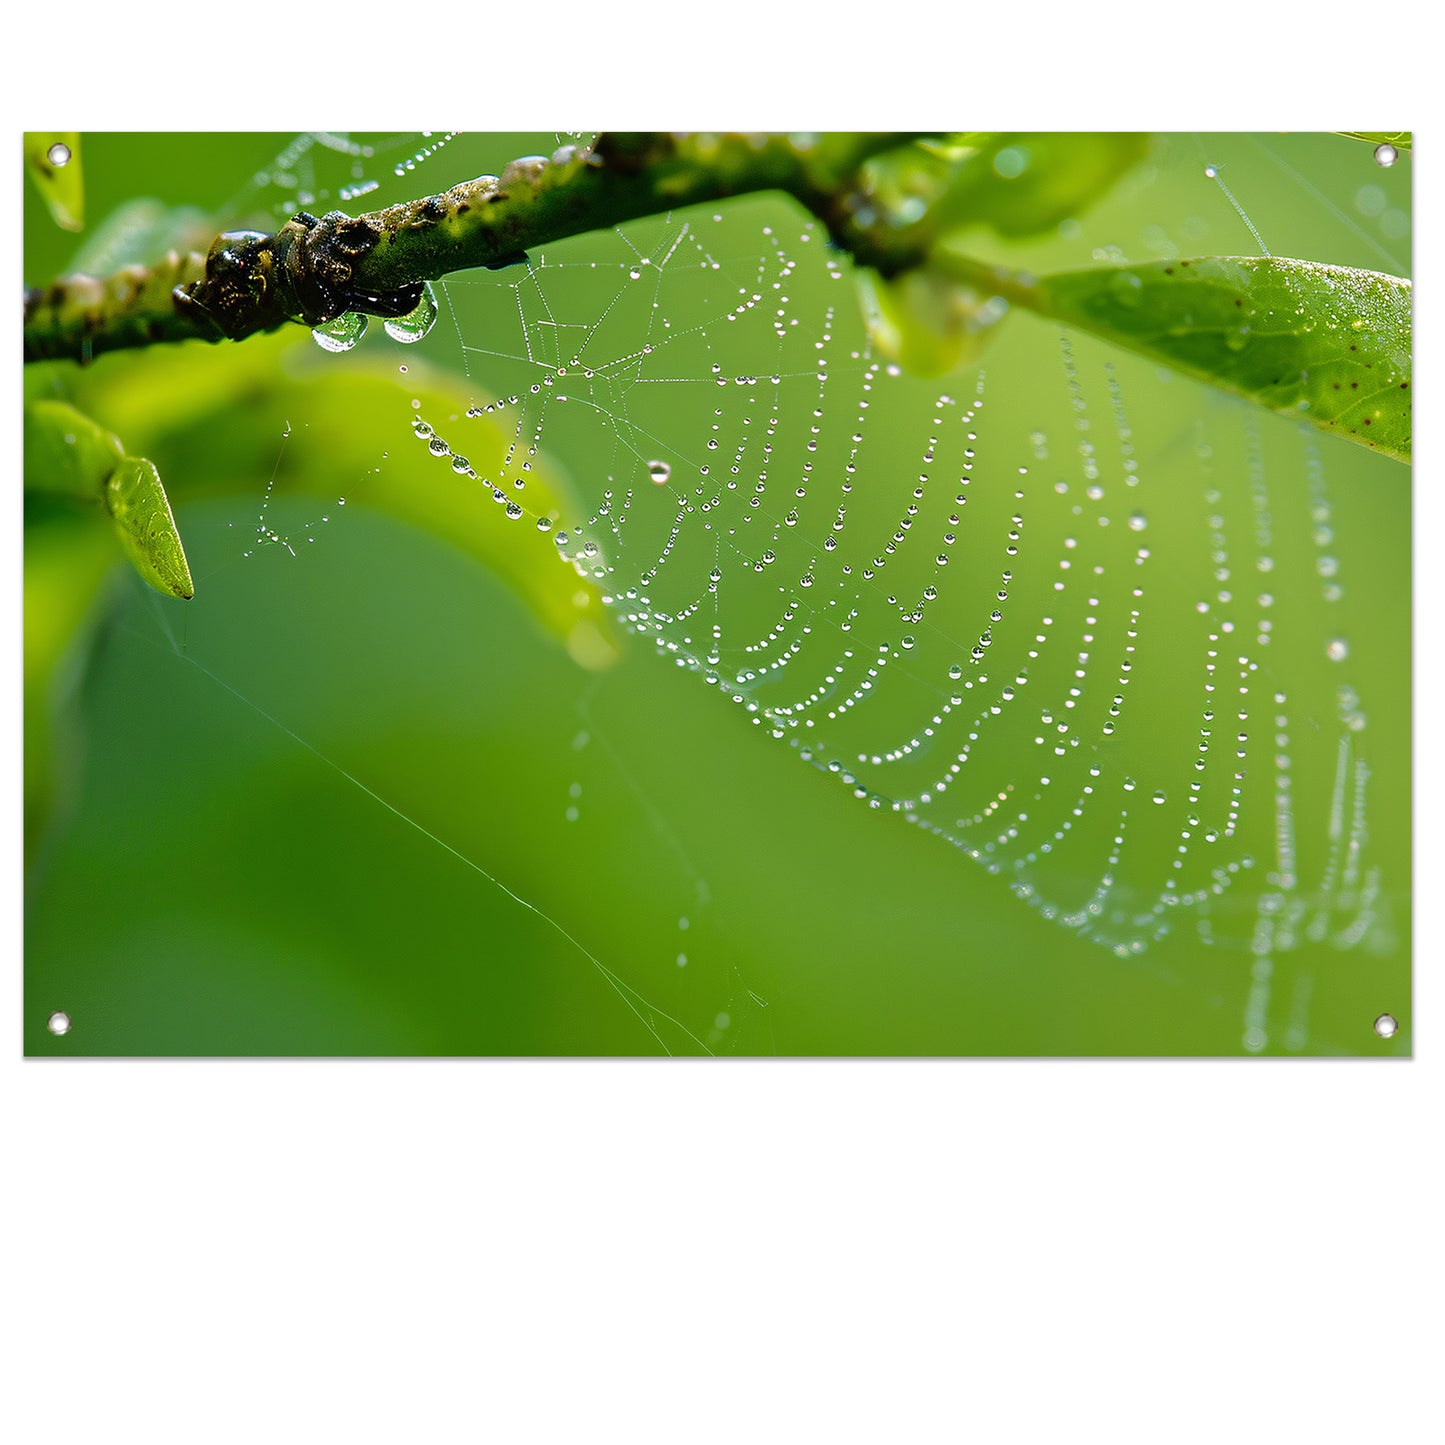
(313, 270)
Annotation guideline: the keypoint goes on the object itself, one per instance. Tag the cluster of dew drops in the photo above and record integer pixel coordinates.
(348, 328)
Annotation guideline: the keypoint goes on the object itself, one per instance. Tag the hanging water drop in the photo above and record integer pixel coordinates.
(1137, 521)
(417, 322)
(660, 472)
(341, 334)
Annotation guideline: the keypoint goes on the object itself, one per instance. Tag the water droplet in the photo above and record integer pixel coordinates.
(58, 155)
(1386, 155)
(1337, 650)
(1137, 521)
(660, 472)
(514, 510)
(438, 447)
(955, 672)
(416, 323)
(1160, 795)
(341, 334)
(1211, 172)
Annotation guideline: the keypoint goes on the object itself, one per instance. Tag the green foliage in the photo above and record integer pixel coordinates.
(66, 453)
(146, 528)
(1400, 139)
(52, 161)
(1328, 344)
(1017, 184)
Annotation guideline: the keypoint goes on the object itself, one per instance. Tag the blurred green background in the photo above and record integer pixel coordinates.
(375, 791)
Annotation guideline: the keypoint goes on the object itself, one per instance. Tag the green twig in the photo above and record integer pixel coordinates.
(314, 270)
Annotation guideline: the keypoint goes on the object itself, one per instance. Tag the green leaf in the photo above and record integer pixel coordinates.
(1016, 183)
(1024, 183)
(53, 162)
(66, 453)
(1326, 344)
(223, 423)
(1400, 139)
(933, 192)
(146, 528)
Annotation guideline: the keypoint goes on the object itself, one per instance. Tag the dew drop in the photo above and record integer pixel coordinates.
(341, 334)
(660, 472)
(1337, 650)
(1137, 521)
(417, 322)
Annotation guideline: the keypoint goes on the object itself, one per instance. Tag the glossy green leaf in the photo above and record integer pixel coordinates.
(280, 409)
(146, 528)
(1400, 139)
(1326, 344)
(53, 161)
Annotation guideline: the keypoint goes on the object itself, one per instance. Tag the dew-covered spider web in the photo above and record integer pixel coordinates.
(1107, 639)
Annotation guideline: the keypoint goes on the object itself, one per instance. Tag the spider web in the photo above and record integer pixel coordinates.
(1023, 640)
